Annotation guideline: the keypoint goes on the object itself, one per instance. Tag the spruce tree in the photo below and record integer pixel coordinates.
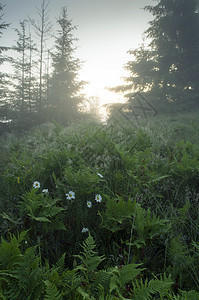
(4, 106)
(168, 67)
(42, 28)
(175, 40)
(64, 85)
(23, 82)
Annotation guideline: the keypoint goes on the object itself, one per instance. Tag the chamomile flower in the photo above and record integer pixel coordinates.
(36, 184)
(98, 198)
(84, 230)
(45, 191)
(100, 175)
(70, 195)
(89, 204)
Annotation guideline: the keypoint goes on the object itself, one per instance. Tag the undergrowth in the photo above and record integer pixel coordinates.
(91, 211)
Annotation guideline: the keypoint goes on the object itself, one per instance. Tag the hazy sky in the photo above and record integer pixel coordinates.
(107, 29)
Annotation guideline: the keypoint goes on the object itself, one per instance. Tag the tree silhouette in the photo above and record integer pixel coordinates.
(64, 85)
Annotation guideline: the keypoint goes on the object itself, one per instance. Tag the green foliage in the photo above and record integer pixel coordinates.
(90, 260)
(41, 208)
(184, 295)
(165, 69)
(148, 224)
(20, 276)
(147, 289)
(117, 212)
(9, 250)
(51, 291)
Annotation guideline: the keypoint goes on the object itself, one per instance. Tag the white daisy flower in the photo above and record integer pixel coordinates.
(101, 176)
(84, 230)
(70, 195)
(89, 204)
(36, 184)
(45, 191)
(98, 198)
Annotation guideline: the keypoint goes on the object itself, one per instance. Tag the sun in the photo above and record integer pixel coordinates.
(100, 75)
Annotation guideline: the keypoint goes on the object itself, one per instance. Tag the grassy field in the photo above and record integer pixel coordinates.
(92, 211)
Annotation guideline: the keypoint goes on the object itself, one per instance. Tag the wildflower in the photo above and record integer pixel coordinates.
(45, 191)
(84, 230)
(70, 195)
(89, 204)
(36, 184)
(18, 179)
(101, 176)
(98, 198)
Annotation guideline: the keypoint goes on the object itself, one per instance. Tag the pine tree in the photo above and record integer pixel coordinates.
(64, 84)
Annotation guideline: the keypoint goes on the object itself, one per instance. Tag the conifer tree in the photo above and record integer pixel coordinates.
(4, 109)
(42, 28)
(175, 39)
(23, 101)
(64, 84)
(168, 67)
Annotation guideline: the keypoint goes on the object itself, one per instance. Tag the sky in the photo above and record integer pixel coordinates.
(106, 30)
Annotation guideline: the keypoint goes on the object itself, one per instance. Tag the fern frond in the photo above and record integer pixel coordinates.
(186, 295)
(84, 294)
(39, 219)
(145, 289)
(29, 274)
(89, 256)
(117, 211)
(50, 212)
(52, 292)
(128, 273)
(162, 285)
(122, 276)
(9, 251)
(60, 263)
(178, 252)
(101, 281)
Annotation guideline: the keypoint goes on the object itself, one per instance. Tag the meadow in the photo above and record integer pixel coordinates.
(92, 211)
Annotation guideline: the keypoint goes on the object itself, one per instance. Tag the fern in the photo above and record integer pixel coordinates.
(162, 285)
(101, 280)
(84, 294)
(43, 209)
(66, 281)
(52, 292)
(9, 250)
(89, 257)
(186, 295)
(117, 211)
(178, 252)
(145, 290)
(128, 273)
(22, 274)
(29, 274)
(120, 277)
(148, 226)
